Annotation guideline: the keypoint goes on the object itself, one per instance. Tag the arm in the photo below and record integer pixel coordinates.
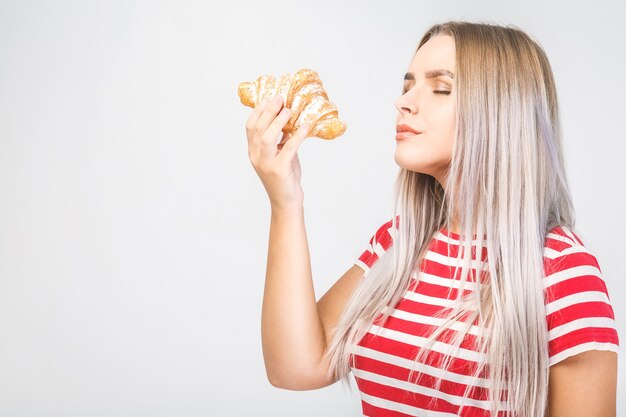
(292, 333)
(292, 326)
(295, 329)
(584, 385)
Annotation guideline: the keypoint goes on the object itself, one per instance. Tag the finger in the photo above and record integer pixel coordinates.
(268, 114)
(268, 141)
(253, 118)
(290, 147)
(286, 136)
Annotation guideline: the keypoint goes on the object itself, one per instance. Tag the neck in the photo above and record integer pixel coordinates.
(455, 227)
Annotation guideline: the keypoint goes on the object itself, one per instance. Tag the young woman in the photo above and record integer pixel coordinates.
(479, 151)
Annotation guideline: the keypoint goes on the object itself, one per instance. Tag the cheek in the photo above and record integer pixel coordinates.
(446, 118)
(446, 127)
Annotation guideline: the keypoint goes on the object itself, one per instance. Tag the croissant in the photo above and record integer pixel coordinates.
(304, 95)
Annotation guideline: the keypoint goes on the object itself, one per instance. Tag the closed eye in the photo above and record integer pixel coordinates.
(436, 92)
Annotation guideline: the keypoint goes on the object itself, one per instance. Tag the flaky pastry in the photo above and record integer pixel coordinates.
(304, 95)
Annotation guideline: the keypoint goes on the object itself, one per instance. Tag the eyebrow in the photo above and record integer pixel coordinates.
(431, 74)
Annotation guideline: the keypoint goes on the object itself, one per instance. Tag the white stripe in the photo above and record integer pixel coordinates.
(426, 299)
(421, 367)
(580, 297)
(419, 389)
(433, 301)
(558, 237)
(379, 250)
(575, 249)
(418, 341)
(571, 235)
(433, 321)
(443, 281)
(457, 242)
(551, 253)
(583, 348)
(451, 261)
(402, 408)
(573, 272)
(363, 265)
(578, 324)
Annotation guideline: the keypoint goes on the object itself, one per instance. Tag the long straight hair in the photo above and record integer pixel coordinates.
(506, 182)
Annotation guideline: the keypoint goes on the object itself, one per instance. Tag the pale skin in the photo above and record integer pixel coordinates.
(295, 328)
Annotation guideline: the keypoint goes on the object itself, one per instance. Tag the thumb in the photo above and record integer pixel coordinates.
(290, 147)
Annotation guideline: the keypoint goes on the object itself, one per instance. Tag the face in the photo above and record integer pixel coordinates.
(428, 106)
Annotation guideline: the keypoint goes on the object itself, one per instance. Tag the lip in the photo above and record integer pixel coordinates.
(404, 131)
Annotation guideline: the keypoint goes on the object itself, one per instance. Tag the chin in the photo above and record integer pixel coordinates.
(420, 169)
(410, 163)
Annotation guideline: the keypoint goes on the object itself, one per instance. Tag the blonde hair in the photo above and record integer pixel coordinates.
(507, 182)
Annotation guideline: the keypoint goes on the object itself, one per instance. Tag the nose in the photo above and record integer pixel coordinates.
(406, 105)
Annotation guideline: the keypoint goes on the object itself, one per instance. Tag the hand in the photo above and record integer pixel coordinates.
(277, 165)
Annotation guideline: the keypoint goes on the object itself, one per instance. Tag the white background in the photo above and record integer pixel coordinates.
(134, 230)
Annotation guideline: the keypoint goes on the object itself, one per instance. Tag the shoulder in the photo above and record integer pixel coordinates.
(384, 235)
(579, 312)
(570, 266)
(560, 238)
(564, 249)
(380, 241)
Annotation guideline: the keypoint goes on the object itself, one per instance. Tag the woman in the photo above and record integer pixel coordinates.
(479, 150)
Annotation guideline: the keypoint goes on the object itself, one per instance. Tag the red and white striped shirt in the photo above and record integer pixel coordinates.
(579, 318)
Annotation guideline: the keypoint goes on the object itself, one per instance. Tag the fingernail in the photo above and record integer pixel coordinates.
(277, 100)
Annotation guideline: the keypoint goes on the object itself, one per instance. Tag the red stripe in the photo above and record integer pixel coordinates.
(575, 285)
(424, 330)
(579, 311)
(571, 260)
(430, 310)
(434, 290)
(404, 397)
(578, 337)
(368, 258)
(557, 245)
(407, 351)
(447, 271)
(578, 239)
(441, 246)
(425, 380)
(418, 308)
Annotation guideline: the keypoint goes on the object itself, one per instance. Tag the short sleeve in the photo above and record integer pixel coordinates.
(378, 244)
(578, 308)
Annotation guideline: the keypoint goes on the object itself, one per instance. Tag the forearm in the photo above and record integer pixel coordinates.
(292, 333)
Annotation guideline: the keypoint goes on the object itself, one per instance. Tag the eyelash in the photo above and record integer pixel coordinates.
(436, 92)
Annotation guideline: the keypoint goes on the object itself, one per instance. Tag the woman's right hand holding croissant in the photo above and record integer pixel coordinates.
(277, 165)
